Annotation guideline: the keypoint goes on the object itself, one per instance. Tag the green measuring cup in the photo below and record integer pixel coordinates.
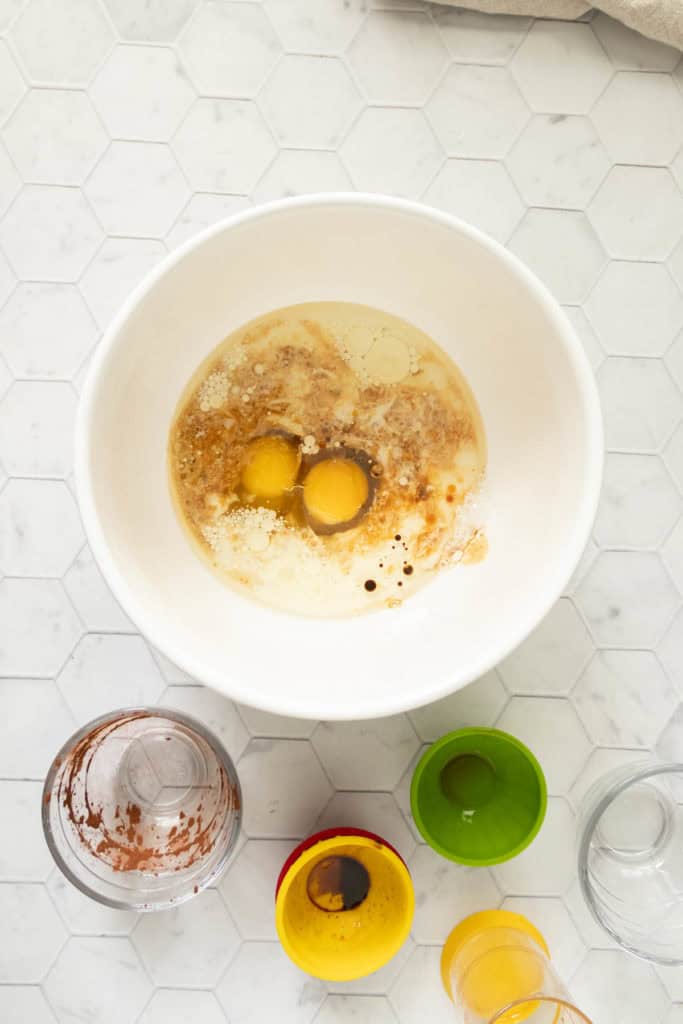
(478, 796)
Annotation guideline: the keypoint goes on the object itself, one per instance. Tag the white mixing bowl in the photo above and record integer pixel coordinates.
(541, 414)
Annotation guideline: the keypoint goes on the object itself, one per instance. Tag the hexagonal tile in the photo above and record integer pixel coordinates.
(375, 812)
(558, 161)
(153, 21)
(631, 51)
(224, 145)
(229, 48)
(641, 404)
(587, 558)
(326, 28)
(479, 703)
(356, 1010)
(97, 979)
(591, 932)
(672, 980)
(639, 503)
(561, 68)
(640, 118)
(479, 191)
(562, 248)
(24, 1003)
(62, 44)
(171, 673)
(12, 85)
(445, 893)
(189, 945)
(103, 665)
(534, 668)
(601, 761)
(413, 1000)
(38, 710)
(49, 233)
(636, 308)
(366, 755)
(10, 182)
(269, 726)
(547, 866)
(119, 266)
(201, 212)
(670, 742)
(398, 57)
(24, 856)
(248, 886)
(213, 710)
(5, 375)
(673, 456)
(30, 932)
(6, 279)
(55, 137)
(631, 229)
(392, 150)
(676, 264)
(674, 360)
(284, 788)
(553, 921)
(137, 189)
(310, 101)
(297, 172)
(27, 326)
(675, 1015)
(477, 111)
(40, 529)
(553, 732)
(36, 428)
(296, 995)
(175, 1006)
(40, 627)
(85, 916)
(142, 92)
(670, 648)
(625, 699)
(628, 599)
(93, 599)
(476, 38)
(8, 11)
(617, 988)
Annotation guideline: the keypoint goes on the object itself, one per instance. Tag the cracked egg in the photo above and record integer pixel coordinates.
(328, 458)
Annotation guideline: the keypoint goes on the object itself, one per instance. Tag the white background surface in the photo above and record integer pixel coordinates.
(126, 126)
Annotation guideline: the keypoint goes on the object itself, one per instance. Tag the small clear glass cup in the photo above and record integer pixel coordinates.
(631, 858)
(496, 969)
(142, 808)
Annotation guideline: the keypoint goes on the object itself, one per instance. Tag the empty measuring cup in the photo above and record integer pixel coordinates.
(631, 858)
(496, 968)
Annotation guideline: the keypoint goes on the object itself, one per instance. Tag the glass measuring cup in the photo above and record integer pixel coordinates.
(142, 808)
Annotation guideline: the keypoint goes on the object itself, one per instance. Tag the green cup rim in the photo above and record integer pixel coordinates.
(445, 741)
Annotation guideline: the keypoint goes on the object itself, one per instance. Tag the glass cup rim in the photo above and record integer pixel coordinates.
(557, 1001)
(153, 711)
(624, 780)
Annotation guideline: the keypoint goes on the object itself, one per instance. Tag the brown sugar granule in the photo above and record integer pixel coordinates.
(370, 585)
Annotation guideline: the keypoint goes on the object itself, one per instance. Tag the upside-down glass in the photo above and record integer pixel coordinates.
(631, 858)
(142, 808)
(496, 969)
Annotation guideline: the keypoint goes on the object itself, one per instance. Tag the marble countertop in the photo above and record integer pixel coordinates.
(127, 125)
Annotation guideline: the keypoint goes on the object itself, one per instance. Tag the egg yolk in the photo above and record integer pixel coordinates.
(271, 467)
(335, 491)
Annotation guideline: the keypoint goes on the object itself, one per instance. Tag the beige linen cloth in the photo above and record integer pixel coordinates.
(658, 19)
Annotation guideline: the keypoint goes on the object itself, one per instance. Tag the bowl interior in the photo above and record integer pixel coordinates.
(341, 946)
(478, 796)
(528, 373)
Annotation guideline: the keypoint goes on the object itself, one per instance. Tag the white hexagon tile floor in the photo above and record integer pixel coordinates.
(125, 127)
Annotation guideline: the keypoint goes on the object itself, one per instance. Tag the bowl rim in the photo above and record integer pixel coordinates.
(441, 685)
(504, 738)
